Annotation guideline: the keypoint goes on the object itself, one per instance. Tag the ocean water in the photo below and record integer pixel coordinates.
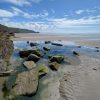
(86, 35)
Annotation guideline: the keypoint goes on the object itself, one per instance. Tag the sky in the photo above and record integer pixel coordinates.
(52, 16)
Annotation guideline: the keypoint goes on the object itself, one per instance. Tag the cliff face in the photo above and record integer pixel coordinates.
(6, 50)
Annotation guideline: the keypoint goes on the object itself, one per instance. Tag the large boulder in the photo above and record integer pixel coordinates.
(54, 66)
(29, 64)
(26, 83)
(33, 57)
(26, 53)
(57, 59)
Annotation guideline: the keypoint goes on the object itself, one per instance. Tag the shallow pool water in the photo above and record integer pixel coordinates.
(66, 50)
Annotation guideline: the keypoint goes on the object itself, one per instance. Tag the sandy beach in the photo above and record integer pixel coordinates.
(79, 82)
(87, 41)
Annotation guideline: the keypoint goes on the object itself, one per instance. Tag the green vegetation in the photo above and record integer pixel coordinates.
(15, 30)
(57, 59)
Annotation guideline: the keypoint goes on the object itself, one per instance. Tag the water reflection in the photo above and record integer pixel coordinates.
(6, 50)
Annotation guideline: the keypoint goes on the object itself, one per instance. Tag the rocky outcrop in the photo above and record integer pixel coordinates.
(29, 64)
(6, 50)
(26, 83)
(33, 57)
(26, 53)
(54, 66)
(57, 59)
(43, 70)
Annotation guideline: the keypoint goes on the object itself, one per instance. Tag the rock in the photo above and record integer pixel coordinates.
(26, 83)
(33, 57)
(97, 47)
(97, 50)
(6, 73)
(28, 42)
(57, 44)
(33, 44)
(29, 64)
(46, 48)
(54, 66)
(57, 59)
(43, 70)
(47, 42)
(79, 46)
(75, 53)
(26, 53)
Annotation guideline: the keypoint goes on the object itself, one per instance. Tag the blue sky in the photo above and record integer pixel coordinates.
(59, 16)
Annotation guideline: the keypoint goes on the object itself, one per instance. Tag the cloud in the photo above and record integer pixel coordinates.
(65, 23)
(19, 2)
(22, 2)
(14, 11)
(5, 13)
(79, 12)
(94, 10)
(55, 24)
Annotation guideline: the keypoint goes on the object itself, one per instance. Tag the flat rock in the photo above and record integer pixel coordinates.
(29, 64)
(26, 83)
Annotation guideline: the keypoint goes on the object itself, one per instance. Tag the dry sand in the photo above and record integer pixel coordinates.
(79, 82)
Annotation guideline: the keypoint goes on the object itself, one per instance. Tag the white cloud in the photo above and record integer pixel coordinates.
(22, 2)
(19, 2)
(94, 10)
(5, 13)
(14, 11)
(79, 12)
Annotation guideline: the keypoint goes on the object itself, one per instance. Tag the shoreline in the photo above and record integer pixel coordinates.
(84, 41)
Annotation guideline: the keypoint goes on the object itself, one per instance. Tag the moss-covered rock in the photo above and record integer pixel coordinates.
(33, 44)
(47, 42)
(57, 59)
(54, 66)
(46, 48)
(33, 57)
(43, 70)
(26, 53)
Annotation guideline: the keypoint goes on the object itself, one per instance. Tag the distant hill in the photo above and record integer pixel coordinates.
(15, 30)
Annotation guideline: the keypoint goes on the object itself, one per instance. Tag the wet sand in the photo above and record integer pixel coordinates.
(87, 41)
